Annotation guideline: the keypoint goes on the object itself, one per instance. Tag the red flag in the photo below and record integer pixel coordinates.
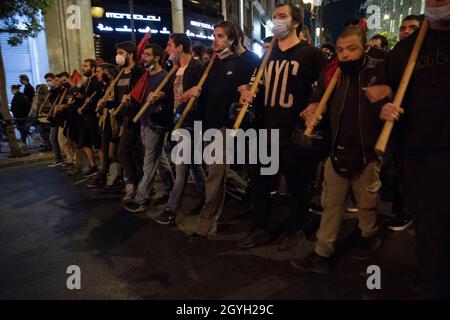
(329, 71)
(76, 77)
(138, 91)
(140, 47)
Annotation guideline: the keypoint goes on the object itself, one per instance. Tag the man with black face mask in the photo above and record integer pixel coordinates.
(355, 127)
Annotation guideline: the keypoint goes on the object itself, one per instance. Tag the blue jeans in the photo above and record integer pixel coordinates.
(182, 174)
(55, 144)
(153, 142)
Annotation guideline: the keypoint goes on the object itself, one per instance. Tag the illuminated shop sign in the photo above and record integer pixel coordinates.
(102, 27)
(117, 15)
(201, 25)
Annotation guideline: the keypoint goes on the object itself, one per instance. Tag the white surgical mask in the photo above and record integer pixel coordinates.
(51, 84)
(120, 60)
(280, 28)
(438, 14)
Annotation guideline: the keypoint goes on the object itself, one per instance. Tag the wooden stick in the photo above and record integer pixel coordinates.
(323, 101)
(108, 91)
(88, 99)
(156, 92)
(56, 107)
(191, 101)
(254, 87)
(43, 103)
(383, 138)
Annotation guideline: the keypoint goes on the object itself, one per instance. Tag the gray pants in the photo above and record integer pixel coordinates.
(335, 191)
(153, 142)
(215, 195)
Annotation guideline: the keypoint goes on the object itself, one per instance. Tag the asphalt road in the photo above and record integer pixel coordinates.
(49, 222)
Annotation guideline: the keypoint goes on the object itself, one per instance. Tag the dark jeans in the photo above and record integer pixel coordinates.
(131, 152)
(23, 130)
(426, 186)
(55, 144)
(390, 178)
(299, 169)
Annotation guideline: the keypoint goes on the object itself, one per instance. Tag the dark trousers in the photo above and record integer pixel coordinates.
(426, 186)
(299, 169)
(23, 130)
(131, 152)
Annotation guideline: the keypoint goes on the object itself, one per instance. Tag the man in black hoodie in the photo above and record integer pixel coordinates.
(20, 108)
(228, 72)
(424, 133)
(28, 89)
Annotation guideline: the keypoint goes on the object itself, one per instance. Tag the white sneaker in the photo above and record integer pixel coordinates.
(130, 192)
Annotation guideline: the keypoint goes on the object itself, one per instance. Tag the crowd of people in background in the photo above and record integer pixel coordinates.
(90, 123)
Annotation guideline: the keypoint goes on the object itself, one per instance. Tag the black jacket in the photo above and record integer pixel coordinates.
(29, 91)
(20, 106)
(220, 90)
(369, 123)
(191, 77)
(425, 127)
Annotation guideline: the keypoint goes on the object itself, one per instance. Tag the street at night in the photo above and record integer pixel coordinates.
(47, 224)
(252, 155)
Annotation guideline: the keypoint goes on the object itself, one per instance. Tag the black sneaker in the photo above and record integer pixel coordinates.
(399, 223)
(292, 240)
(91, 172)
(161, 200)
(198, 207)
(315, 208)
(97, 182)
(55, 164)
(134, 207)
(312, 263)
(367, 247)
(256, 238)
(195, 237)
(166, 217)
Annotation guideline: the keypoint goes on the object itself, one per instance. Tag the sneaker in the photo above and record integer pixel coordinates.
(198, 207)
(161, 200)
(130, 192)
(134, 207)
(351, 207)
(166, 217)
(73, 171)
(315, 208)
(91, 172)
(55, 164)
(292, 240)
(366, 248)
(195, 237)
(118, 183)
(313, 263)
(399, 223)
(255, 238)
(97, 182)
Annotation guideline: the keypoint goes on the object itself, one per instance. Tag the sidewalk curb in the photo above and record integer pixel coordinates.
(24, 161)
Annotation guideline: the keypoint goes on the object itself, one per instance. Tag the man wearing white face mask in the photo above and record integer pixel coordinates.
(228, 72)
(130, 148)
(292, 69)
(424, 133)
